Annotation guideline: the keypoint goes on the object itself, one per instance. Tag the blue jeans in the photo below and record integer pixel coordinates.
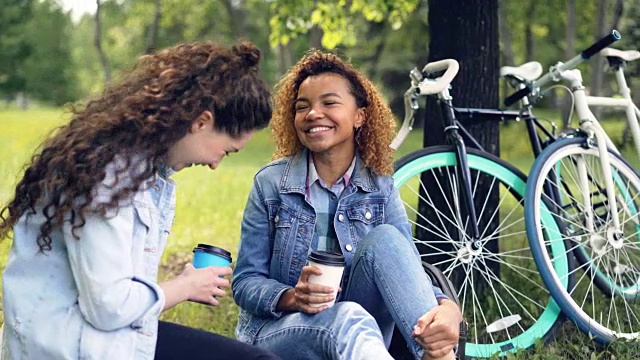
(387, 286)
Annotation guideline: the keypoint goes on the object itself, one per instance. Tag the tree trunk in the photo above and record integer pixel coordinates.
(597, 62)
(97, 41)
(315, 37)
(474, 23)
(618, 10)
(237, 16)
(569, 52)
(528, 32)
(505, 35)
(152, 34)
(508, 59)
(285, 58)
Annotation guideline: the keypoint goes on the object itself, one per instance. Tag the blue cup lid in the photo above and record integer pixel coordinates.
(327, 258)
(214, 250)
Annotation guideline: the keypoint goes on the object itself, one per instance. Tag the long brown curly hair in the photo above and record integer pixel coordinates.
(140, 118)
(374, 136)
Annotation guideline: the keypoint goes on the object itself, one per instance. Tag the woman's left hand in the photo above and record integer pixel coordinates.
(203, 286)
(438, 330)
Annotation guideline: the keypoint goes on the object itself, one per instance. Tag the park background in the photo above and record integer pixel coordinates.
(55, 52)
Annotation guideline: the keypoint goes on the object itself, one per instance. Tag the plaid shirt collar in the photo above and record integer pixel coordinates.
(312, 175)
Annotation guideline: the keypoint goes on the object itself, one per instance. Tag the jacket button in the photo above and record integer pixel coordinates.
(340, 217)
(348, 247)
(367, 215)
(276, 219)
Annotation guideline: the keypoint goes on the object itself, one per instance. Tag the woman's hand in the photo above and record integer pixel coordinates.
(198, 285)
(306, 296)
(438, 330)
(205, 285)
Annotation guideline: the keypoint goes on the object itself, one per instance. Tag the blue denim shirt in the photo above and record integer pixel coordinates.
(277, 231)
(92, 298)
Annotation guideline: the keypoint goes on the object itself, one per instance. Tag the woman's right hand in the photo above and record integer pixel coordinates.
(306, 296)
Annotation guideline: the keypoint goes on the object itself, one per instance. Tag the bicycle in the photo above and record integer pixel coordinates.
(618, 60)
(509, 308)
(595, 196)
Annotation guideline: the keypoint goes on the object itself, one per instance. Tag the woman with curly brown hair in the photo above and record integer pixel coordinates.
(329, 191)
(92, 213)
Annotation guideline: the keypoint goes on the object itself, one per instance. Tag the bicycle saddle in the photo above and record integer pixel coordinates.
(628, 55)
(528, 71)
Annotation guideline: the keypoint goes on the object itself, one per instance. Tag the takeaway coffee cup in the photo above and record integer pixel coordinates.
(208, 255)
(332, 266)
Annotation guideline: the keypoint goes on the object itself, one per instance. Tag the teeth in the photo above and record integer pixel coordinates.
(316, 129)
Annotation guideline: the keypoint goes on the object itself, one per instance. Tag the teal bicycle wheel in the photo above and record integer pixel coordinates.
(501, 292)
(605, 301)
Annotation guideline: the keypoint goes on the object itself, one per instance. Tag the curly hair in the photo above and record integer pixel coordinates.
(374, 136)
(140, 118)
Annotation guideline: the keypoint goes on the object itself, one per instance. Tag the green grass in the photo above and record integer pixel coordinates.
(209, 209)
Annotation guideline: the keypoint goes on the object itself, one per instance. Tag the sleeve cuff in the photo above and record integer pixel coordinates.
(155, 303)
(274, 303)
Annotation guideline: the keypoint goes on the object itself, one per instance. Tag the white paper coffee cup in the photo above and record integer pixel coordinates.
(332, 266)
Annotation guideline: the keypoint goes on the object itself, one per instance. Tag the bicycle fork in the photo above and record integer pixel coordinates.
(592, 128)
(463, 170)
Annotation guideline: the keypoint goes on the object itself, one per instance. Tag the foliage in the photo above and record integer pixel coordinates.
(14, 47)
(292, 18)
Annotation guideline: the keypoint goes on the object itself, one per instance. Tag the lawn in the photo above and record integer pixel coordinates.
(209, 209)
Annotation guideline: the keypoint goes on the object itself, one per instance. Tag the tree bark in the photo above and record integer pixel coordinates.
(474, 26)
(97, 41)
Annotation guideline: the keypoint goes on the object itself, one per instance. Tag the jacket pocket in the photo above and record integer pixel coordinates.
(363, 218)
(96, 344)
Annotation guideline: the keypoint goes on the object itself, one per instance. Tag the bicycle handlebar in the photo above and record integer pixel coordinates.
(601, 44)
(555, 71)
(420, 85)
(451, 68)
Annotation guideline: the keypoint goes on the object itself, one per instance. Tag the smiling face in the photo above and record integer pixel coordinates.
(326, 115)
(204, 145)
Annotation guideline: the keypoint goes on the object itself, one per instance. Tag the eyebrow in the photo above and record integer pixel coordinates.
(323, 96)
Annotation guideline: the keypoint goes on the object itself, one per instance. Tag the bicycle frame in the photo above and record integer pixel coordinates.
(456, 134)
(593, 130)
(626, 103)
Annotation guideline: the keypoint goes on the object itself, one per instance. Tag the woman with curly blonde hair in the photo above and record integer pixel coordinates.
(328, 195)
(94, 208)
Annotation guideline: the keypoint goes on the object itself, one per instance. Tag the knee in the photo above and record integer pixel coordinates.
(348, 309)
(385, 239)
(352, 315)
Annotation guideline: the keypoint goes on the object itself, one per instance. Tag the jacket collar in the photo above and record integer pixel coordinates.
(295, 174)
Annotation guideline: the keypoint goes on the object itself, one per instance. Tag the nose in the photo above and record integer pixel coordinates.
(314, 113)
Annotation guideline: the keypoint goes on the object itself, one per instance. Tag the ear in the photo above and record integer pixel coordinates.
(360, 116)
(202, 122)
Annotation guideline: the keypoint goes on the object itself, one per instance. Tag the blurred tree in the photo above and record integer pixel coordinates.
(14, 47)
(291, 18)
(97, 43)
(47, 71)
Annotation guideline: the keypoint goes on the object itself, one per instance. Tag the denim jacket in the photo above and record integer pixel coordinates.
(92, 298)
(278, 226)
